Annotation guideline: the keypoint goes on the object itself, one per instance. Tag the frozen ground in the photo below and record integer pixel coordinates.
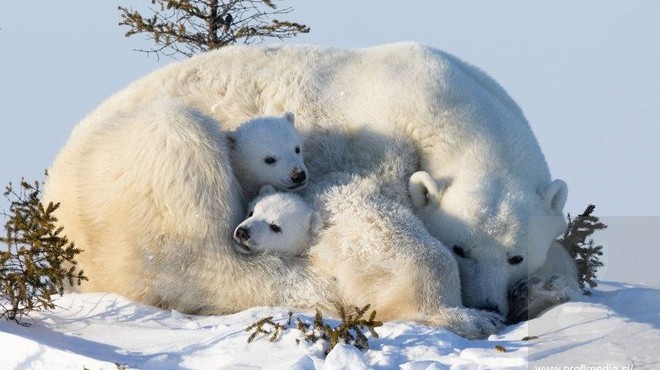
(618, 327)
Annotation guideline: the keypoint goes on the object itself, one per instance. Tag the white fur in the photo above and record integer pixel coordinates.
(148, 193)
(277, 222)
(267, 138)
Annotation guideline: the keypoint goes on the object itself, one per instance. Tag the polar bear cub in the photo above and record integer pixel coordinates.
(283, 223)
(268, 151)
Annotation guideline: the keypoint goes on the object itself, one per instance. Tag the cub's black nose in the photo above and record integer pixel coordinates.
(299, 177)
(242, 234)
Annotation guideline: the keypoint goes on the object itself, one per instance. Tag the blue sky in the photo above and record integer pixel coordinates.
(586, 74)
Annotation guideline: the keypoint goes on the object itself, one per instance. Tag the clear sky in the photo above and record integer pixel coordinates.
(586, 74)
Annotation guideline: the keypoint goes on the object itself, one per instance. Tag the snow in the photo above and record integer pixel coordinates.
(618, 327)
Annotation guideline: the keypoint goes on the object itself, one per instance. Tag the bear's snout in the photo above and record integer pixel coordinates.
(242, 234)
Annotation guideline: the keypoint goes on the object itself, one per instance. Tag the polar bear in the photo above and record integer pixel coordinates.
(277, 222)
(147, 190)
(268, 151)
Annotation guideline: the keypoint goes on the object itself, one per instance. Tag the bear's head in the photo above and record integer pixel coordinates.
(268, 151)
(279, 222)
(498, 230)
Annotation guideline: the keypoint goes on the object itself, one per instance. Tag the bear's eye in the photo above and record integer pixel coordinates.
(275, 228)
(270, 160)
(250, 214)
(515, 260)
(459, 251)
(297, 150)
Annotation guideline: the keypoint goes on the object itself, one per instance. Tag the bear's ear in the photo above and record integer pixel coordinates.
(266, 190)
(289, 116)
(424, 189)
(555, 195)
(316, 223)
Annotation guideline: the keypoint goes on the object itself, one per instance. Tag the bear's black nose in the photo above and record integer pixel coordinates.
(299, 177)
(242, 233)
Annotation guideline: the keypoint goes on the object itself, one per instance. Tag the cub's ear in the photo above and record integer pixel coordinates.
(289, 116)
(316, 223)
(266, 190)
(424, 189)
(555, 195)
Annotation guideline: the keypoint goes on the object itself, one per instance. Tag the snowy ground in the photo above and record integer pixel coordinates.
(618, 327)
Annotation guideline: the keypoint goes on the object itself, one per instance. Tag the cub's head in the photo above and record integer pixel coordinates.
(268, 151)
(280, 222)
(498, 232)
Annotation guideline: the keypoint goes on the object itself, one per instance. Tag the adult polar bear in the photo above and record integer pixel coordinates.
(164, 236)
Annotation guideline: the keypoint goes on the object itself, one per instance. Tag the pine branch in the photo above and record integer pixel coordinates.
(578, 242)
(262, 327)
(188, 27)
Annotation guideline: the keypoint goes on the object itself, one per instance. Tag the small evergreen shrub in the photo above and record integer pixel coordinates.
(350, 330)
(577, 240)
(36, 259)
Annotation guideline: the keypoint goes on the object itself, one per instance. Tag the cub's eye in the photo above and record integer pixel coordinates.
(459, 251)
(270, 160)
(250, 214)
(275, 228)
(515, 260)
(297, 150)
